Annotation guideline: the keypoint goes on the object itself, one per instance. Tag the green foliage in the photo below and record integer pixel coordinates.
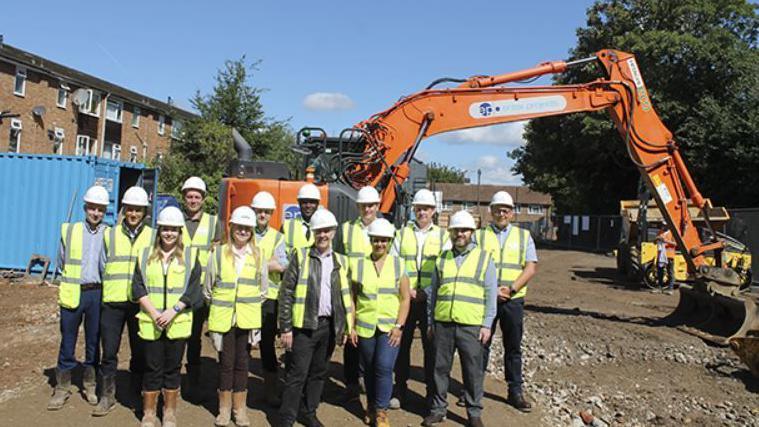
(701, 65)
(442, 173)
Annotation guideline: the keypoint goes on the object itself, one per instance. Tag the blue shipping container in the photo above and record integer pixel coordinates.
(38, 192)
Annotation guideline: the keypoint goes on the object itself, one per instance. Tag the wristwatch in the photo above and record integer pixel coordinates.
(176, 308)
(399, 326)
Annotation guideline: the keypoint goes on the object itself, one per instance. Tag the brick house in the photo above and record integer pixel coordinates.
(51, 108)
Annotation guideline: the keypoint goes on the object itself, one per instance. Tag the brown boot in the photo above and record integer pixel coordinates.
(225, 409)
(271, 384)
(149, 404)
(170, 407)
(89, 381)
(381, 419)
(240, 408)
(62, 390)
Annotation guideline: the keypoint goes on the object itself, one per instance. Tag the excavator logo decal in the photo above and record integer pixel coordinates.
(290, 211)
(516, 107)
(645, 102)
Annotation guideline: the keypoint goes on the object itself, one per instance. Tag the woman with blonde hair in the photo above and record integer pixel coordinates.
(166, 283)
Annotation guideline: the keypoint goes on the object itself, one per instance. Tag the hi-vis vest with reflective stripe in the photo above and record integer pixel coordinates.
(379, 296)
(233, 295)
(509, 259)
(122, 254)
(355, 241)
(301, 288)
(267, 244)
(295, 238)
(164, 295)
(461, 293)
(69, 291)
(202, 240)
(420, 276)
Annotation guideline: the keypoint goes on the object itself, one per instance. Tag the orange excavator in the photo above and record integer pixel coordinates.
(378, 151)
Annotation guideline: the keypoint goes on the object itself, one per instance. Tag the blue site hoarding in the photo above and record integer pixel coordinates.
(38, 192)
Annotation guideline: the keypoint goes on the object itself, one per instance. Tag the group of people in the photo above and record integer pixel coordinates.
(314, 283)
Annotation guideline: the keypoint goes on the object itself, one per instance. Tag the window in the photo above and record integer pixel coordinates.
(111, 150)
(92, 105)
(161, 124)
(517, 209)
(14, 138)
(535, 209)
(58, 137)
(63, 96)
(113, 110)
(176, 129)
(83, 145)
(20, 86)
(133, 154)
(136, 117)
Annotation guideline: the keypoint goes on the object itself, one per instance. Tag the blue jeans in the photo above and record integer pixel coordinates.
(89, 307)
(378, 360)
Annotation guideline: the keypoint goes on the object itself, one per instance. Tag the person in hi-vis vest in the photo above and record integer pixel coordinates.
(166, 282)
(297, 231)
(382, 299)
(315, 312)
(81, 261)
(201, 231)
(516, 260)
(123, 245)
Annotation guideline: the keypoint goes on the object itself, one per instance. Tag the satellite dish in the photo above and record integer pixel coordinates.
(39, 111)
(79, 97)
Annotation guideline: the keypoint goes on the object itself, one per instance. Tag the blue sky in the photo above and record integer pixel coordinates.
(329, 64)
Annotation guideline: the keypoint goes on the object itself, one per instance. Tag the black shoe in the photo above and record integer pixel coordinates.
(520, 403)
(461, 403)
(476, 422)
(310, 421)
(433, 419)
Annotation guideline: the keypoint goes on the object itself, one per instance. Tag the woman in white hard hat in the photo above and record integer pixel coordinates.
(236, 286)
(166, 283)
(382, 299)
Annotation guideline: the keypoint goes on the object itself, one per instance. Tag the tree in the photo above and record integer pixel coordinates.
(701, 65)
(442, 173)
(206, 146)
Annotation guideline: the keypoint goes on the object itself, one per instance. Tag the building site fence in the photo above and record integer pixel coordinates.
(598, 233)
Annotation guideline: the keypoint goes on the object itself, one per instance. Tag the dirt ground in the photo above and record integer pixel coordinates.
(590, 344)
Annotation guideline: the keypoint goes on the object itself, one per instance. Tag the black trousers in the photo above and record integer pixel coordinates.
(269, 335)
(417, 318)
(351, 364)
(113, 317)
(233, 360)
(163, 360)
(199, 317)
(306, 370)
(510, 315)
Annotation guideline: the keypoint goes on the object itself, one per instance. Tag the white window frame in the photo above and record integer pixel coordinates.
(21, 75)
(161, 124)
(136, 117)
(133, 154)
(63, 94)
(87, 141)
(535, 209)
(87, 107)
(176, 128)
(111, 150)
(59, 137)
(517, 209)
(119, 112)
(15, 133)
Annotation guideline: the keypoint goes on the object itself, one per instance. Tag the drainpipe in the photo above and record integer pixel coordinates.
(101, 134)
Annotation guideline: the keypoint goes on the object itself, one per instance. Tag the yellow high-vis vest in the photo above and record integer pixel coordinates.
(301, 288)
(202, 240)
(510, 258)
(121, 257)
(461, 290)
(421, 276)
(379, 298)
(294, 236)
(69, 291)
(355, 241)
(164, 295)
(267, 244)
(233, 295)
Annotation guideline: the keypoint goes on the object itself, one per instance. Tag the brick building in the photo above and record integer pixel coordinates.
(56, 109)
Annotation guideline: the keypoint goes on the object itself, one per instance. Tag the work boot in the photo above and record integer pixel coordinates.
(89, 381)
(62, 390)
(433, 419)
(381, 419)
(240, 408)
(475, 422)
(225, 408)
(149, 405)
(519, 402)
(107, 399)
(271, 384)
(170, 407)
(310, 420)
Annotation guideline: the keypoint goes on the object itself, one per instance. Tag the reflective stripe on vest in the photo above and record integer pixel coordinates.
(294, 236)
(510, 258)
(268, 244)
(165, 293)
(355, 241)
(122, 254)
(202, 240)
(72, 236)
(461, 292)
(379, 299)
(233, 295)
(433, 245)
(301, 288)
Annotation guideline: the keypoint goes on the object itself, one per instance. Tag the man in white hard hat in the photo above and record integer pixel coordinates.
(353, 241)
(123, 245)
(201, 231)
(80, 262)
(462, 307)
(418, 243)
(297, 230)
(315, 312)
(514, 253)
(272, 245)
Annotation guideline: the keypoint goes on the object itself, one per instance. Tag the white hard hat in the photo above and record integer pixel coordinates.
(381, 227)
(368, 195)
(502, 198)
(135, 196)
(323, 218)
(462, 219)
(171, 216)
(263, 200)
(243, 215)
(194, 183)
(97, 195)
(424, 197)
(309, 192)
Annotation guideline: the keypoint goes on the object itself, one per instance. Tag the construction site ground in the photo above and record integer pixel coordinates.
(591, 343)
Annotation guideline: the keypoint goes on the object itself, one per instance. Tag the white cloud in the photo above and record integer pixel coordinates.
(508, 134)
(327, 101)
(495, 170)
